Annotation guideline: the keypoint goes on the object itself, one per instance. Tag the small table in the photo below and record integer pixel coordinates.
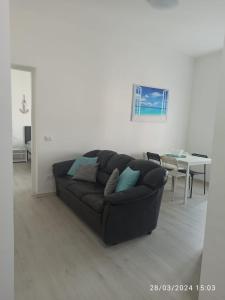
(20, 154)
(187, 162)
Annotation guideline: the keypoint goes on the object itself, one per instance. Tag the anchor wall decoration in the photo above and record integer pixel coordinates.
(24, 108)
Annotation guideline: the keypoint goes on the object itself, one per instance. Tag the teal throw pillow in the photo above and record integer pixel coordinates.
(81, 161)
(127, 179)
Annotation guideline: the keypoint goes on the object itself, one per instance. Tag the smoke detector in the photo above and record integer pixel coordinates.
(163, 4)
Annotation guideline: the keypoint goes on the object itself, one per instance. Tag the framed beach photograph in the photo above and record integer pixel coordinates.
(149, 104)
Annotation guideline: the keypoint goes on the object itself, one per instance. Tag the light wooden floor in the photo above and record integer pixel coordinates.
(57, 257)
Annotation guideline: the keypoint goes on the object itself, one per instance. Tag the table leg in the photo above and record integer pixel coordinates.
(186, 184)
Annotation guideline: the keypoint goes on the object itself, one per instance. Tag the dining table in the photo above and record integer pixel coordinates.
(187, 161)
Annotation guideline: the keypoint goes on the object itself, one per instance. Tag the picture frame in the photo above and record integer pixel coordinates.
(149, 104)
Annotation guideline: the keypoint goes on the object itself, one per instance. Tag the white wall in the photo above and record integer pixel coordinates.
(206, 78)
(20, 85)
(87, 57)
(6, 201)
(213, 264)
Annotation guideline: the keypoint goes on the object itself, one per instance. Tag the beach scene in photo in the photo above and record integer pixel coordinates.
(150, 101)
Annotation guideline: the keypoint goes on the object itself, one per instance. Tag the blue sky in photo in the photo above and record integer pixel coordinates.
(152, 97)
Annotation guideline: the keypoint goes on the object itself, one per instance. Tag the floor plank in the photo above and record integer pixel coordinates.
(57, 257)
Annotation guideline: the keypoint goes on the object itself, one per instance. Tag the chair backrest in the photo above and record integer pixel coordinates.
(154, 157)
(200, 155)
(169, 162)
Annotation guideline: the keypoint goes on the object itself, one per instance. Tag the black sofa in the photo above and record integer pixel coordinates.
(120, 216)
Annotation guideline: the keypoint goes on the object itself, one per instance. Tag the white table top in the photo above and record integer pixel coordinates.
(188, 161)
(194, 160)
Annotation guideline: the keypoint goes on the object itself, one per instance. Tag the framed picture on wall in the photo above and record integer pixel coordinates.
(149, 104)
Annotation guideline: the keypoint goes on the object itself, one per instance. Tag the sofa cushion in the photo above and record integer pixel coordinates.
(86, 173)
(61, 168)
(103, 158)
(94, 201)
(81, 188)
(112, 183)
(92, 153)
(144, 166)
(81, 161)
(155, 178)
(119, 161)
(127, 179)
(64, 181)
(108, 161)
(102, 177)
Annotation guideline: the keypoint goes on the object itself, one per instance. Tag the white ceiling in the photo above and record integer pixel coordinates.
(195, 27)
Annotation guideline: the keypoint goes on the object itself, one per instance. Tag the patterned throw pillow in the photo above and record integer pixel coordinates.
(112, 183)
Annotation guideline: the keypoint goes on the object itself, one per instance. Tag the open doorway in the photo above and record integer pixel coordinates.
(22, 125)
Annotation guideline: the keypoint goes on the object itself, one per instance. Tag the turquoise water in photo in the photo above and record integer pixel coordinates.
(150, 101)
(152, 111)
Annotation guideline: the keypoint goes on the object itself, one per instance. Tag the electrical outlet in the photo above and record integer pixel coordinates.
(47, 138)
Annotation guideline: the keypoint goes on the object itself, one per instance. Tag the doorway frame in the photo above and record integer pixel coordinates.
(34, 160)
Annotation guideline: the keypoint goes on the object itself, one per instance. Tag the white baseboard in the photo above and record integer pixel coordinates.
(44, 195)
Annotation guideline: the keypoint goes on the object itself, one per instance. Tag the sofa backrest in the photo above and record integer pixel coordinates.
(119, 161)
(103, 158)
(151, 174)
(108, 161)
(92, 153)
(144, 166)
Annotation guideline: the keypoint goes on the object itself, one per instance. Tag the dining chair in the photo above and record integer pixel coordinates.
(194, 173)
(154, 157)
(172, 166)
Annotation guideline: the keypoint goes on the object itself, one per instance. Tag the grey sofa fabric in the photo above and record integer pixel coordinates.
(94, 201)
(81, 188)
(119, 216)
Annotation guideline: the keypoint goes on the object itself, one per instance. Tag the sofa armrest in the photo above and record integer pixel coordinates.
(128, 215)
(131, 195)
(61, 168)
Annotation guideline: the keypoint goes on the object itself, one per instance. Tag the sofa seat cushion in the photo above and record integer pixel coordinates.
(94, 201)
(64, 181)
(81, 188)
